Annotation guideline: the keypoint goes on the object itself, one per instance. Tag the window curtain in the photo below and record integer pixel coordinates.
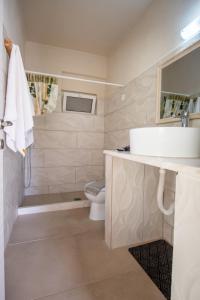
(44, 90)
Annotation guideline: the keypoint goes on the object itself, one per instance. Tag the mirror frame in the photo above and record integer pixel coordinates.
(168, 61)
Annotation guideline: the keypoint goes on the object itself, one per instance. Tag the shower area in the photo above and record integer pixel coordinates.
(68, 88)
(68, 143)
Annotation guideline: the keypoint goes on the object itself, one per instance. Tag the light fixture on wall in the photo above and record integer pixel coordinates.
(191, 30)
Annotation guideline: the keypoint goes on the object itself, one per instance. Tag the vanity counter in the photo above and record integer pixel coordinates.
(189, 165)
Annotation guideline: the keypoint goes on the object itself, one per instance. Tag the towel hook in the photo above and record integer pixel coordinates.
(8, 45)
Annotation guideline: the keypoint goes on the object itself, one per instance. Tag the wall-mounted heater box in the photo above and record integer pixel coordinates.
(79, 102)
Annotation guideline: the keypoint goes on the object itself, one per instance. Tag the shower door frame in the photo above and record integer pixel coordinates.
(2, 104)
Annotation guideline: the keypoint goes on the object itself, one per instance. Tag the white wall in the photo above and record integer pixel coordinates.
(67, 151)
(12, 19)
(45, 58)
(12, 163)
(156, 33)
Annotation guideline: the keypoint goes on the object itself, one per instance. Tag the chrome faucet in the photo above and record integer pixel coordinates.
(185, 117)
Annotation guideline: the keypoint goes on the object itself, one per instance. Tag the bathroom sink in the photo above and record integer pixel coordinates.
(165, 141)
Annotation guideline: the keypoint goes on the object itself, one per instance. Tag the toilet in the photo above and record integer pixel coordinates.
(95, 193)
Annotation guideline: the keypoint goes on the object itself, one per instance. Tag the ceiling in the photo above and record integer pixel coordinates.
(94, 26)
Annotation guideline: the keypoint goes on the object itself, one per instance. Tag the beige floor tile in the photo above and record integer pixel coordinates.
(54, 224)
(71, 262)
(128, 286)
(50, 266)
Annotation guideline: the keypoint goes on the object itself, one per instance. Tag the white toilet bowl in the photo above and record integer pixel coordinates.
(97, 208)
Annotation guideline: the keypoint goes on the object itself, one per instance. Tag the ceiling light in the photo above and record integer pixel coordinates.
(191, 30)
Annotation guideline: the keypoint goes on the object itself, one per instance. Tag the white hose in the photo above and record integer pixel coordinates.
(160, 195)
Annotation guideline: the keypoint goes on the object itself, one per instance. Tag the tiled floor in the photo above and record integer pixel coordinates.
(63, 256)
(52, 198)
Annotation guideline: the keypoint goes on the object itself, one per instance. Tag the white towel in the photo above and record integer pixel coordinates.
(19, 107)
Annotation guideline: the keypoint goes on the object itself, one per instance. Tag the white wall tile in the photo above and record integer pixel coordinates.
(36, 190)
(100, 106)
(37, 157)
(45, 139)
(85, 174)
(39, 122)
(39, 177)
(51, 176)
(62, 157)
(64, 188)
(98, 124)
(97, 157)
(69, 122)
(60, 175)
(116, 139)
(88, 140)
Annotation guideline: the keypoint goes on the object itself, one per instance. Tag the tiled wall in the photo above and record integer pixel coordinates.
(68, 147)
(129, 107)
(67, 151)
(135, 106)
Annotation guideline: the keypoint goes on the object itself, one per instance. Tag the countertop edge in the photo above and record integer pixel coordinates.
(189, 165)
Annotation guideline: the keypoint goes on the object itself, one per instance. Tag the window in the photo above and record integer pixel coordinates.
(79, 102)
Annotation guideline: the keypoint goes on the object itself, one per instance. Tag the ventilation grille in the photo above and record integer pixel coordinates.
(79, 102)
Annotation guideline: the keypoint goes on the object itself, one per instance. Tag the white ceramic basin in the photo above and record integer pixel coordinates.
(165, 141)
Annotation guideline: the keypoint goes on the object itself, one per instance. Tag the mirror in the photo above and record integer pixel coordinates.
(179, 86)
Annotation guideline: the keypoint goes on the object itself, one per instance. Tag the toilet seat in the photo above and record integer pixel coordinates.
(97, 208)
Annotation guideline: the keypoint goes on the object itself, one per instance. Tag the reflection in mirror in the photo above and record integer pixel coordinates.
(180, 86)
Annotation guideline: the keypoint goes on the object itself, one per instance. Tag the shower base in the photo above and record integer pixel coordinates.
(35, 200)
(52, 202)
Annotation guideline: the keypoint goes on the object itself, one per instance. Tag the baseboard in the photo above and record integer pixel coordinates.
(52, 207)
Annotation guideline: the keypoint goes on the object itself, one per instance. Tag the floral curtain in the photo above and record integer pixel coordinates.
(44, 90)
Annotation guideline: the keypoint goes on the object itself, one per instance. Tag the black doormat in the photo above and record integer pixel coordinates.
(156, 259)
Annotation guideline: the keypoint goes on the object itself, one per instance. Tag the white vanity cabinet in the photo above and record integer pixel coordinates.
(132, 215)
